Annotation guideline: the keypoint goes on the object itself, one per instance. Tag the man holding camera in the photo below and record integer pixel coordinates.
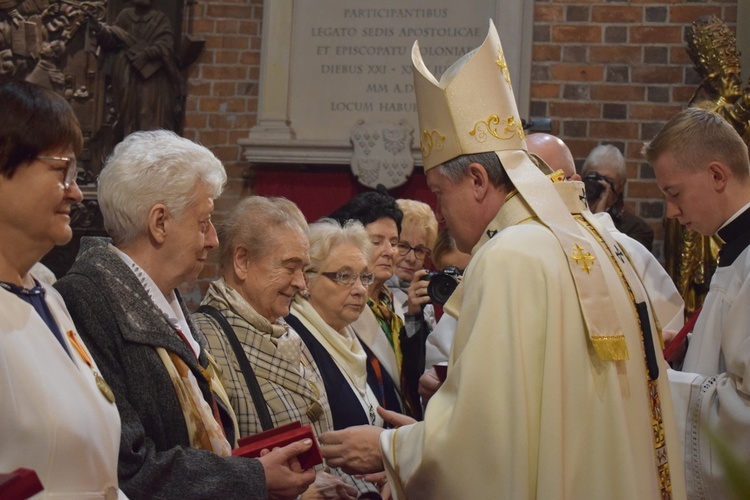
(605, 175)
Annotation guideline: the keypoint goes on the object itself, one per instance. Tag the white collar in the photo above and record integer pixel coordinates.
(736, 214)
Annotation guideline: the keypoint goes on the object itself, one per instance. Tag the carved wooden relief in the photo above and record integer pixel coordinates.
(121, 66)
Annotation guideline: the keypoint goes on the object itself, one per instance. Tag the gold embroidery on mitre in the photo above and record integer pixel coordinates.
(503, 64)
(585, 259)
(482, 128)
(431, 140)
(519, 126)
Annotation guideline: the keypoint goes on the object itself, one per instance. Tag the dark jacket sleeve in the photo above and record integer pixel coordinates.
(636, 228)
(412, 367)
(151, 466)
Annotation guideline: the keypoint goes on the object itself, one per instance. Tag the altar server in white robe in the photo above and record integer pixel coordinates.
(702, 167)
(57, 414)
(553, 389)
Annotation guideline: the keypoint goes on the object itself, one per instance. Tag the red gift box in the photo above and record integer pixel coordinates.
(251, 446)
(19, 484)
(441, 370)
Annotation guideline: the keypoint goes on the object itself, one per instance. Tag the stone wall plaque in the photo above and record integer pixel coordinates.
(329, 64)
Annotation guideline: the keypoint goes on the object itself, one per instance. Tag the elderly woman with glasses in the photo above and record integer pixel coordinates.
(393, 357)
(338, 278)
(156, 194)
(264, 250)
(57, 415)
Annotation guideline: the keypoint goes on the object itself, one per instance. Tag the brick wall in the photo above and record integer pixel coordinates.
(605, 72)
(614, 72)
(222, 97)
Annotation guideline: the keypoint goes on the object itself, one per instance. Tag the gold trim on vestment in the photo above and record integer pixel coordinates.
(610, 347)
(654, 400)
(584, 259)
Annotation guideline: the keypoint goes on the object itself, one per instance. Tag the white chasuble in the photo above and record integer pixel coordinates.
(528, 409)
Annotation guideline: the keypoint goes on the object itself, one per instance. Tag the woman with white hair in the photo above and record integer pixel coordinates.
(338, 278)
(156, 194)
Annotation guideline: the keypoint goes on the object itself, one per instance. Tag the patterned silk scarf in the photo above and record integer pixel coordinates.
(389, 321)
(202, 423)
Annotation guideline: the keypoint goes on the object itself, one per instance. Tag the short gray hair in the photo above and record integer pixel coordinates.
(254, 223)
(606, 154)
(326, 234)
(151, 167)
(456, 169)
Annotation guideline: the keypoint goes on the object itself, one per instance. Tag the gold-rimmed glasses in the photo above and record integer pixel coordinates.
(71, 168)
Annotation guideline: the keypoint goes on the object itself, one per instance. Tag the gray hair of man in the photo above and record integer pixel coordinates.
(457, 168)
(326, 234)
(257, 223)
(152, 167)
(606, 154)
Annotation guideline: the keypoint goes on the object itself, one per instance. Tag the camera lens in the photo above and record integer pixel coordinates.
(441, 287)
(593, 187)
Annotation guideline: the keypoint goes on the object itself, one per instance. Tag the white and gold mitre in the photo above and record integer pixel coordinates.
(471, 109)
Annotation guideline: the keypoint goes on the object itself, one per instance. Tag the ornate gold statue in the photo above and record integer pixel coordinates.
(689, 257)
(712, 47)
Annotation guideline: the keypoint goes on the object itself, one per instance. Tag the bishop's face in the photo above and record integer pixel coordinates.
(457, 206)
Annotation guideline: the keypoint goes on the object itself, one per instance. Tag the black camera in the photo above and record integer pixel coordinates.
(442, 284)
(594, 188)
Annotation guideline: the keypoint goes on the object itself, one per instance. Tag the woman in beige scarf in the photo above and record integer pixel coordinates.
(337, 281)
(264, 251)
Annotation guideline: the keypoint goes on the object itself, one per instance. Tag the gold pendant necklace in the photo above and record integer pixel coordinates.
(103, 386)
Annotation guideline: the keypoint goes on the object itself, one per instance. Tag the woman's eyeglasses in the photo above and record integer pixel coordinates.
(420, 251)
(71, 168)
(348, 278)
